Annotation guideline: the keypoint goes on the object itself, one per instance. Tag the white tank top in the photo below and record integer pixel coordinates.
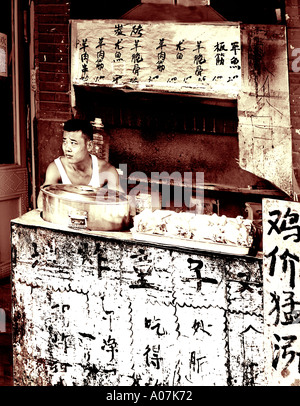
(94, 182)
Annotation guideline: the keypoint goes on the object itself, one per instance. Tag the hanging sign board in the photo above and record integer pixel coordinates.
(281, 264)
(265, 140)
(3, 54)
(198, 58)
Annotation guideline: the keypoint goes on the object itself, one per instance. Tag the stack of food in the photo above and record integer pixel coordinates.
(197, 227)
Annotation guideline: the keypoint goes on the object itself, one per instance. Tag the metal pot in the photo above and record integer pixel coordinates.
(85, 207)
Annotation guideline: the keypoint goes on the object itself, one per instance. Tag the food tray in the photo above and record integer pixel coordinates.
(188, 243)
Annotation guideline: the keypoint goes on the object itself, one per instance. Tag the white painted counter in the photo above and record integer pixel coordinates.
(98, 308)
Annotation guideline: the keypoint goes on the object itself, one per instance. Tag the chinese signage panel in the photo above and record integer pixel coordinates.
(198, 58)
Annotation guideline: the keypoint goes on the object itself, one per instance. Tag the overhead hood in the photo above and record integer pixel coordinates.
(157, 11)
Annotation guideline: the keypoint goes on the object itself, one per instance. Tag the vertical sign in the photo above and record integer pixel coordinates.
(281, 238)
(3, 54)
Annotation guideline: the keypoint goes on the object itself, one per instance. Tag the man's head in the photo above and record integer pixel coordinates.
(79, 125)
(77, 140)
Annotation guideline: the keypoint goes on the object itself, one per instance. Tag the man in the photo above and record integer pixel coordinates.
(78, 166)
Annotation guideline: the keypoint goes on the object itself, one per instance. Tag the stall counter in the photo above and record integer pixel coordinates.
(100, 308)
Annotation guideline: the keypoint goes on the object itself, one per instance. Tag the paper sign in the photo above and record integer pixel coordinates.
(200, 58)
(281, 237)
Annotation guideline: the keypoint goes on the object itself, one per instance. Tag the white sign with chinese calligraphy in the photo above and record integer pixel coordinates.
(281, 237)
(198, 58)
(3, 54)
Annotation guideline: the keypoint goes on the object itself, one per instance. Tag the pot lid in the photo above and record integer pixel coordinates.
(83, 193)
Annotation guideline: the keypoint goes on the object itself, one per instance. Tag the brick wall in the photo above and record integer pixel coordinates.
(53, 80)
(292, 10)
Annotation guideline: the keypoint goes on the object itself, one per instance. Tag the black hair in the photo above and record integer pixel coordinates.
(76, 124)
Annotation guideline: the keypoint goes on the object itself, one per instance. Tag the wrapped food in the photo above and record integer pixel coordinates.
(149, 221)
(198, 227)
(177, 225)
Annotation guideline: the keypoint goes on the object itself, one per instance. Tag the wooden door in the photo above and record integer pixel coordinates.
(13, 107)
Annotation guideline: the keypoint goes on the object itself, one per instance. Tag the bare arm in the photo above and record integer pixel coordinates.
(109, 176)
(52, 176)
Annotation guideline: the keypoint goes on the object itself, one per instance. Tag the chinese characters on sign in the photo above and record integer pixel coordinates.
(282, 297)
(167, 56)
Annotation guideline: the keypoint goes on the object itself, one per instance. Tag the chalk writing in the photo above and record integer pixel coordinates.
(234, 61)
(137, 31)
(155, 325)
(84, 56)
(161, 55)
(83, 251)
(100, 54)
(110, 345)
(101, 260)
(57, 366)
(290, 313)
(119, 29)
(284, 348)
(136, 58)
(143, 321)
(152, 356)
(199, 326)
(196, 362)
(197, 269)
(289, 222)
(220, 50)
(179, 49)
(118, 49)
(199, 60)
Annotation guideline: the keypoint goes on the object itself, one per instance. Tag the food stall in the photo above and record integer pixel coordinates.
(168, 293)
(102, 308)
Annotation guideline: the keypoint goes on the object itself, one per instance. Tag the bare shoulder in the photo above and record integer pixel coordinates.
(52, 174)
(105, 166)
(108, 174)
(52, 167)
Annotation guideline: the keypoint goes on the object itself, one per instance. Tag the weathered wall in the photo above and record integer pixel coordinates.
(265, 140)
(96, 311)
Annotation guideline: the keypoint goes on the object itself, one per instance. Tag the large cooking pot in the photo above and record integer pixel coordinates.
(86, 207)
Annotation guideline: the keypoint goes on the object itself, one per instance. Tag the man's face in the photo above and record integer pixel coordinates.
(75, 146)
